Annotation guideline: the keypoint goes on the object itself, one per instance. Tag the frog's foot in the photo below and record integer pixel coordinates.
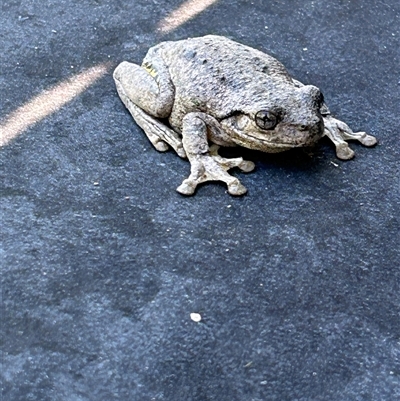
(206, 164)
(213, 167)
(339, 132)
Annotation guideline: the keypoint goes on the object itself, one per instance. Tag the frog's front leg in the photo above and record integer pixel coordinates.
(206, 164)
(339, 132)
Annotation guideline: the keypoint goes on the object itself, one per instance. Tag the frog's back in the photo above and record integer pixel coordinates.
(215, 74)
(217, 55)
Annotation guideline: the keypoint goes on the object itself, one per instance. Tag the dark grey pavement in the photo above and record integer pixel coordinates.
(298, 282)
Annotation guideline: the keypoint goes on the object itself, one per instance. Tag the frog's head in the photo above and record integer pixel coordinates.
(287, 119)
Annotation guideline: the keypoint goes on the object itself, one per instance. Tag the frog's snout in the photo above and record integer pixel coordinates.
(317, 127)
(312, 96)
(308, 131)
(311, 126)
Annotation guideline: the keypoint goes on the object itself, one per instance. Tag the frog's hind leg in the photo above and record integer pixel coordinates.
(148, 94)
(158, 133)
(339, 132)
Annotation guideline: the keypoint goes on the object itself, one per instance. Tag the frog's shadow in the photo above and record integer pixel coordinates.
(299, 159)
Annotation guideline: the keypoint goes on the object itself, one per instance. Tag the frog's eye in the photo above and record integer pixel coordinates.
(266, 120)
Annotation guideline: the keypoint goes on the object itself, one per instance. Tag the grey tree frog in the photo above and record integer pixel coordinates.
(197, 94)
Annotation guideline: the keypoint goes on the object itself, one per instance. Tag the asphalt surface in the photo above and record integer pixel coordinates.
(297, 283)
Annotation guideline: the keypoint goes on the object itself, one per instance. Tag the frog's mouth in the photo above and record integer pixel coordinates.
(283, 137)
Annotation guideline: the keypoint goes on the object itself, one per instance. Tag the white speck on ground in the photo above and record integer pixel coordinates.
(196, 317)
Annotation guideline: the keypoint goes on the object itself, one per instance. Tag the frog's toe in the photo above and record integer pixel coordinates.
(181, 152)
(187, 187)
(344, 152)
(236, 188)
(247, 166)
(367, 140)
(161, 146)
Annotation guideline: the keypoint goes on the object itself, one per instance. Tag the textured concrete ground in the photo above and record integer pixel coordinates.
(298, 282)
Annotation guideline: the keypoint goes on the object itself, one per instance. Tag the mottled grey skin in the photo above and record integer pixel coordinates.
(215, 91)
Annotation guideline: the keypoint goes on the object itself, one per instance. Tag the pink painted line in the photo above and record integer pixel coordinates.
(184, 13)
(48, 102)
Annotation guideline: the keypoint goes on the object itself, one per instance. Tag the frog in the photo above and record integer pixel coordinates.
(198, 94)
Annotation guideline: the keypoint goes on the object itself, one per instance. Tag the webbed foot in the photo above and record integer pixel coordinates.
(213, 167)
(339, 132)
